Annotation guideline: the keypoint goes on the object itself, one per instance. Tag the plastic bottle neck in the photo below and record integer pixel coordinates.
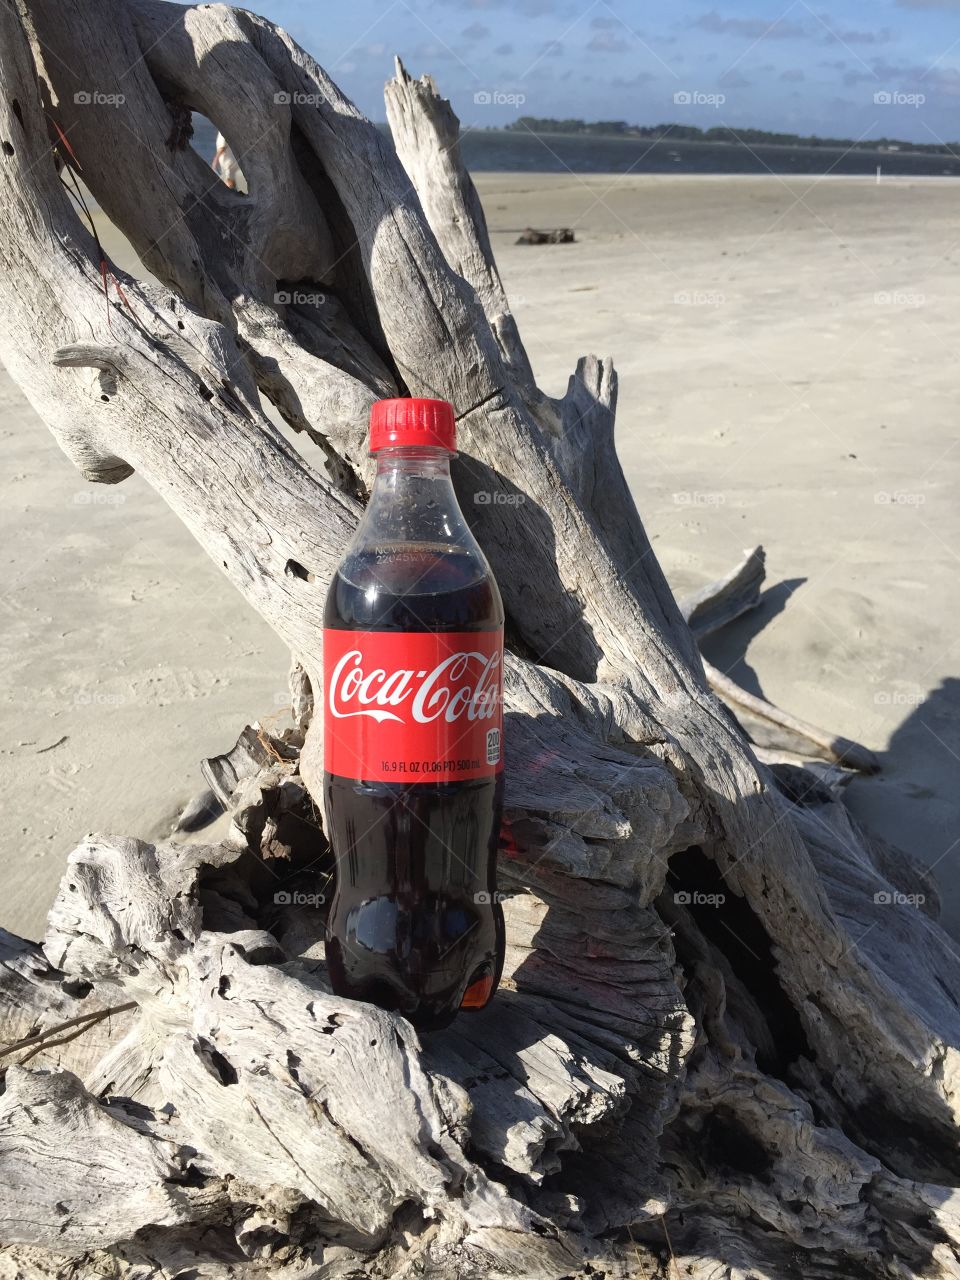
(413, 539)
(413, 500)
(410, 460)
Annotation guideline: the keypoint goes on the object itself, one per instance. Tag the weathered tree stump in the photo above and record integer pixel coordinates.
(665, 1085)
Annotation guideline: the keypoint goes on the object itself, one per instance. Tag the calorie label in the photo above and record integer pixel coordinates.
(413, 706)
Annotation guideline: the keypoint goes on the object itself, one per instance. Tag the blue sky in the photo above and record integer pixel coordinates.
(844, 69)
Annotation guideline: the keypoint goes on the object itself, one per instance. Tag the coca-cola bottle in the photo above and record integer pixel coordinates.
(413, 736)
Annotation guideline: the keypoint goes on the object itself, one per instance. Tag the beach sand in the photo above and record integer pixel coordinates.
(788, 375)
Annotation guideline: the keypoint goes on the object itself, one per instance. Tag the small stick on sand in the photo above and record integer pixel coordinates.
(711, 608)
(841, 750)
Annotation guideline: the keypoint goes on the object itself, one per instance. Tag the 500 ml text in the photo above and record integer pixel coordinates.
(429, 766)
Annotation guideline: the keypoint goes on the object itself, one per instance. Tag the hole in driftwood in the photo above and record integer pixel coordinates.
(7, 148)
(76, 987)
(191, 1177)
(219, 1066)
(202, 136)
(733, 927)
(727, 1143)
(294, 569)
(18, 112)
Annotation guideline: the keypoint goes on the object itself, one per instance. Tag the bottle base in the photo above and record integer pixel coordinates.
(424, 1013)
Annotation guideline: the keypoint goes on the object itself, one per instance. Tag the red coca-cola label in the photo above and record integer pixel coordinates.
(413, 706)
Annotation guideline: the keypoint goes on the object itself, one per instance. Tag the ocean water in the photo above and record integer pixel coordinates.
(487, 150)
(553, 153)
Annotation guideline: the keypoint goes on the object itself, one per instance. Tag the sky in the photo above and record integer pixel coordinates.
(884, 69)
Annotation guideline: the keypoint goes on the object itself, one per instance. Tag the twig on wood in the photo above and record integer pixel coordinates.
(673, 1257)
(37, 1043)
(636, 1250)
(268, 746)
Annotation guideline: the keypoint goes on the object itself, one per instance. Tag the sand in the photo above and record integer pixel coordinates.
(788, 375)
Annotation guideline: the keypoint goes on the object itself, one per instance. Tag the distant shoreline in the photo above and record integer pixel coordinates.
(513, 151)
(508, 150)
(870, 179)
(668, 141)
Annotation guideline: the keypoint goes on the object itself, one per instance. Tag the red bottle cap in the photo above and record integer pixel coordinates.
(398, 423)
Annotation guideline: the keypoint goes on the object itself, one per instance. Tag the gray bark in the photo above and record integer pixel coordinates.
(766, 1090)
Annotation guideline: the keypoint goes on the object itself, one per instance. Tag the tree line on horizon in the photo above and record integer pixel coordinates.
(718, 133)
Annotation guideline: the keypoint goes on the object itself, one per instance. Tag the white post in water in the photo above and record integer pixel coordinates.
(878, 175)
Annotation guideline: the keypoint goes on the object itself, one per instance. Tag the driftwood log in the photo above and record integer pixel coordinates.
(726, 1045)
(560, 235)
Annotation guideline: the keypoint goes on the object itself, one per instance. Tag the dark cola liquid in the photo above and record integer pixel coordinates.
(414, 923)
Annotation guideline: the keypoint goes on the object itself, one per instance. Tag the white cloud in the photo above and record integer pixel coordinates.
(751, 28)
(607, 42)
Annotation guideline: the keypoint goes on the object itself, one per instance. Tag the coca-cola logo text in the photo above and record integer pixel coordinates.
(464, 684)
